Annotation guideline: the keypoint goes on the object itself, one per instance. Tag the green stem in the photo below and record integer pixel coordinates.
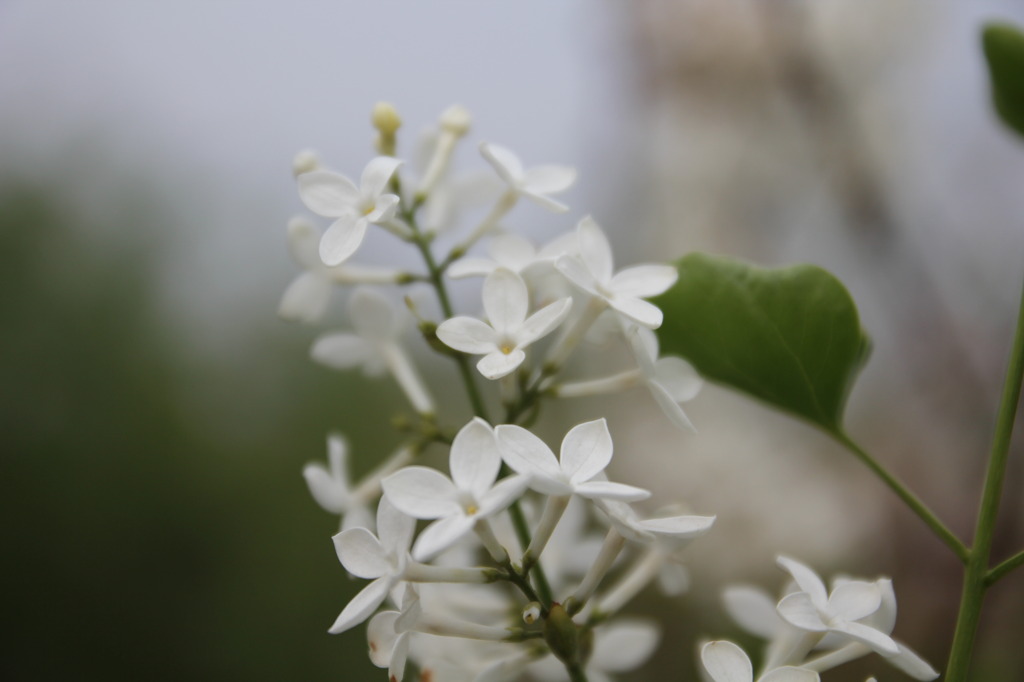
(515, 511)
(909, 498)
(976, 576)
(1005, 567)
(576, 672)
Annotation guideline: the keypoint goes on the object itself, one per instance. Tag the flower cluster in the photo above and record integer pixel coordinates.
(527, 557)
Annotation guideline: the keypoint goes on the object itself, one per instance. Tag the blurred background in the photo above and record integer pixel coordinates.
(155, 414)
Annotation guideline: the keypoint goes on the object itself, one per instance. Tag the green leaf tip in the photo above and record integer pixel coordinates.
(790, 337)
(1004, 51)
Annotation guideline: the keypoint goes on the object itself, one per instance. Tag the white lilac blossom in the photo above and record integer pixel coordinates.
(502, 341)
(330, 486)
(591, 270)
(307, 297)
(536, 184)
(375, 347)
(726, 662)
(814, 609)
(354, 208)
(586, 451)
(388, 634)
(459, 503)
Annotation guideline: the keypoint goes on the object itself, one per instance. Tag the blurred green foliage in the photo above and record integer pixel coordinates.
(147, 534)
(1004, 51)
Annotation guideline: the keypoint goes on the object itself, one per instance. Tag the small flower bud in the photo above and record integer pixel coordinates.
(531, 613)
(386, 119)
(561, 634)
(456, 120)
(305, 161)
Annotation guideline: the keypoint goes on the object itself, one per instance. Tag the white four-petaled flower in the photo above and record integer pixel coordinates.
(354, 208)
(459, 502)
(330, 486)
(591, 269)
(726, 662)
(506, 303)
(586, 451)
(535, 184)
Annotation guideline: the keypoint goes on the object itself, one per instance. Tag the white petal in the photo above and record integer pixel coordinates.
(671, 408)
(878, 641)
(678, 378)
(504, 162)
(513, 251)
(440, 535)
(306, 298)
(342, 238)
(328, 194)
(361, 553)
(594, 249)
(606, 490)
(394, 528)
(341, 351)
(677, 527)
(753, 610)
(544, 201)
(502, 495)
(638, 310)
(884, 619)
(548, 179)
(384, 209)
(474, 459)
(807, 580)
(624, 645)
(791, 674)
(498, 364)
(421, 492)
(543, 322)
(381, 636)
(586, 450)
(644, 281)
(576, 271)
(362, 605)
(469, 335)
(798, 610)
(326, 489)
(726, 662)
(471, 267)
(303, 241)
(377, 174)
(373, 315)
(854, 600)
(399, 656)
(506, 300)
(912, 664)
(525, 453)
(567, 244)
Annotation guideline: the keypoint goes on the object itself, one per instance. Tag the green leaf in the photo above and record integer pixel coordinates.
(1004, 50)
(791, 337)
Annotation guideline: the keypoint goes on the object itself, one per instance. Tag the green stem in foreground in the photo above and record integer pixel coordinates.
(909, 498)
(576, 673)
(976, 578)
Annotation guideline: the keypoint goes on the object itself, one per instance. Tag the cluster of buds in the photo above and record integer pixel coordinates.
(528, 558)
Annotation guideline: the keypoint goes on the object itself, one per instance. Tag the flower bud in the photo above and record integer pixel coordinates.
(305, 161)
(456, 120)
(385, 118)
(531, 613)
(561, 634)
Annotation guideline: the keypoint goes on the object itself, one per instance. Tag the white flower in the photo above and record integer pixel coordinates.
(506, 302)
(670, 380)
(381, 558)
(459, 502)
(330, 486)
(726, 662)
(586, 451)
(307, 297)
(813, 609)
(355, 208)
(374, 347)
(671, 533)
(388, 634)
(534, 184)
(592, 271)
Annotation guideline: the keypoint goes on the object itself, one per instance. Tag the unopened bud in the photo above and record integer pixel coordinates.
(385, 118)
(456, 120)
(531, 613)
(305, 161)
(561, 634)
